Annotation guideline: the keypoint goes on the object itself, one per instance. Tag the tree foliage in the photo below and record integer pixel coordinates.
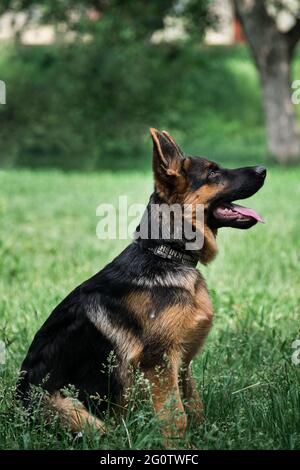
(137, 19)
(92, 97)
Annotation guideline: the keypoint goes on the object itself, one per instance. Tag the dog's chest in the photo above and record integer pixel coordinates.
(185, 324)
(175, 315)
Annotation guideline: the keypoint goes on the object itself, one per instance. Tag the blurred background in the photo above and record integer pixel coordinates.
(85, 79)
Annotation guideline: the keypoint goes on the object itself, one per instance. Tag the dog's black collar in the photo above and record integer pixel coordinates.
(167, 252)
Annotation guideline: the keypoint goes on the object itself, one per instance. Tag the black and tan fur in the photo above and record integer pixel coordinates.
(144, 311)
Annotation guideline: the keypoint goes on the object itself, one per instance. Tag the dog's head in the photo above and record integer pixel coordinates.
(193, 180)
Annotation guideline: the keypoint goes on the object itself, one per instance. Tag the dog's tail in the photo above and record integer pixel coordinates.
(72, 413)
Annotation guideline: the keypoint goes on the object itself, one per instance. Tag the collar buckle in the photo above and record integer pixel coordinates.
(166, 252)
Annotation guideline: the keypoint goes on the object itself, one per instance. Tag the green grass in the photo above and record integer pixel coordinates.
(48, 246)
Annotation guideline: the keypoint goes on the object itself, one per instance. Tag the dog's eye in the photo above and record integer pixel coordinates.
(212, 174)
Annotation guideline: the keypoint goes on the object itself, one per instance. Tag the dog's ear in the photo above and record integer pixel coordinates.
(167, 157)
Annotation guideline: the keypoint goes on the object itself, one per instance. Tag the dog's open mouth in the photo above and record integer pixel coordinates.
(234, 211)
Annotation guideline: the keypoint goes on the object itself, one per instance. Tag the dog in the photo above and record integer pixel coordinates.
(147, 310)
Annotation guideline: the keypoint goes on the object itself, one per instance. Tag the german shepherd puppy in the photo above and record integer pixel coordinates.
(149, 308)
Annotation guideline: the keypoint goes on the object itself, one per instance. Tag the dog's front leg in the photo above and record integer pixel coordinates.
(166, 399)
(192, 401)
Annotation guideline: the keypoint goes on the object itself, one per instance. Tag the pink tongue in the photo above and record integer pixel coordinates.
(247, 212)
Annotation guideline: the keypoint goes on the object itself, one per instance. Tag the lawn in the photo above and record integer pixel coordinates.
(250, 386)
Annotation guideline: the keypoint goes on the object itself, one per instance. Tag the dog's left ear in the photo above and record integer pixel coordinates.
(167, 156)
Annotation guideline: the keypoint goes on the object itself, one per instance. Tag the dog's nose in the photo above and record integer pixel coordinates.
(261, 171)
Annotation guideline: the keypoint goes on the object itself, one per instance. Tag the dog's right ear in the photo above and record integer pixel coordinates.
(167, 157)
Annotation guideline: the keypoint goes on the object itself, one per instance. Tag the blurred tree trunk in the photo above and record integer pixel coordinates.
(273, 52)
